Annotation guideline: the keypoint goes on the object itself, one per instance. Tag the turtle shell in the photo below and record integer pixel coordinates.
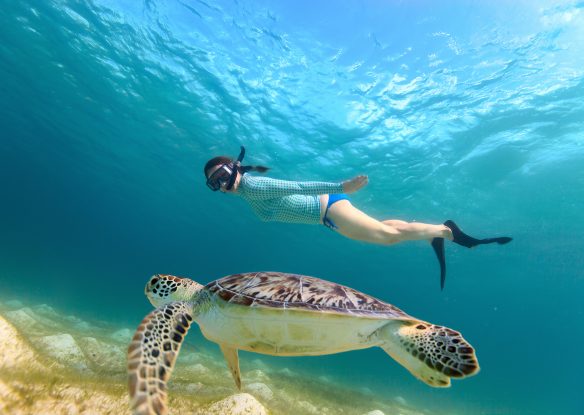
(300, 292)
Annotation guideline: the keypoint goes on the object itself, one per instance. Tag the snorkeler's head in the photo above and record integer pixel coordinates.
(216, 161)
(222, 176)
(221, 172)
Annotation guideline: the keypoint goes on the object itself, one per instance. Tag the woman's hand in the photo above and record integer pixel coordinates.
(354, 184)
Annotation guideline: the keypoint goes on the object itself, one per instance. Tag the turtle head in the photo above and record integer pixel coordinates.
(164, 289)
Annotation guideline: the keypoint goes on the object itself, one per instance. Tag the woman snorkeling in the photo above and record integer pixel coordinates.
(327, 204)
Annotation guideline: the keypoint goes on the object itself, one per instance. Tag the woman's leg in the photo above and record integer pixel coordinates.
(416, 230)
(356, 224)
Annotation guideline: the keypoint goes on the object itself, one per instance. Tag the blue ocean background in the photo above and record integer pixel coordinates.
(472, 111)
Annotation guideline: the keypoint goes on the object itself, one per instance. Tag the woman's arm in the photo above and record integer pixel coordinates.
(268, 188)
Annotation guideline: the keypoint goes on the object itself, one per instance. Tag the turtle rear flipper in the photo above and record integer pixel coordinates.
(433, 354)
(152, 354)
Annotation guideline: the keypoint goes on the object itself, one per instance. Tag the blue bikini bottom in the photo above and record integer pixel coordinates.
(334, 198)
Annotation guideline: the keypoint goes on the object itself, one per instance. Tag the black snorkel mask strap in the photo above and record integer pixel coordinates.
(237, 167)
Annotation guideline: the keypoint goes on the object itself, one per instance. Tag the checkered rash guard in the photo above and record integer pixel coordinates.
(285, 201)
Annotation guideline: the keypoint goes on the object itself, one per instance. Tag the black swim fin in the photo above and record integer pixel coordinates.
(463, 239)
(438, 245)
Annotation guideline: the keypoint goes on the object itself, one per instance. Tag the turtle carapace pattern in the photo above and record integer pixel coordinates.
(300, 292)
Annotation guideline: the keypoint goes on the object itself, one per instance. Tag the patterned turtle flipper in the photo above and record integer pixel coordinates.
(152, 354)
(438, 246)
(232, 359)
(432, 353)
(468, 241)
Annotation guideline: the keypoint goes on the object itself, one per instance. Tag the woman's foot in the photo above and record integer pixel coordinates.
(453, 233)
(447, 233)
(461, 238)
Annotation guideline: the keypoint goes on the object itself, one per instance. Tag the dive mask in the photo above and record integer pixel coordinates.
(220, 177)
(226, 174)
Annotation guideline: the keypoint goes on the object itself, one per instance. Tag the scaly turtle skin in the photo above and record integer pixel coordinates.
(283, 315)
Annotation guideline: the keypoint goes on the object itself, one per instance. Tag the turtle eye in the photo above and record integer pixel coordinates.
(154, 280)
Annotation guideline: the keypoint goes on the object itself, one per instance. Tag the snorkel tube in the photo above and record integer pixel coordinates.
(236, 168)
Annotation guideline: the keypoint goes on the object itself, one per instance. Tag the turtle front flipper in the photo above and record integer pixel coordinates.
(232, 358)
(152, 354)
(432, 353)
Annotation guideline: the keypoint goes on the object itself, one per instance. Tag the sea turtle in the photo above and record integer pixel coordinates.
(283, 315)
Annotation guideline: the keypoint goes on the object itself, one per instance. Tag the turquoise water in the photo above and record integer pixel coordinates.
(109, 109)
